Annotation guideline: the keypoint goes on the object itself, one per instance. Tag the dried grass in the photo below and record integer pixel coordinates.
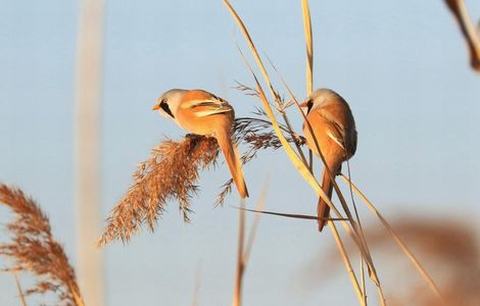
(299, 162)
(21, 295)
(244, 246)
(171, 172)
(307, 27)
(34, 249)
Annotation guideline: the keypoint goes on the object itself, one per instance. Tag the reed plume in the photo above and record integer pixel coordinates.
(171, 172)
(34, 249)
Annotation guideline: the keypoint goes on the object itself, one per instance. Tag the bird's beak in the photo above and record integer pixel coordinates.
(156, 107)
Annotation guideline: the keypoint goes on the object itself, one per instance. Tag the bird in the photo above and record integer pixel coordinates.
(330, 127)
(203, 113)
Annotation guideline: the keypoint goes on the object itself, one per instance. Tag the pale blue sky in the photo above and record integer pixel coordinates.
(402, 65)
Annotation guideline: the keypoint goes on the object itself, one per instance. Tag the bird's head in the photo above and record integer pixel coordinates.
(168, 103)
(320, 97)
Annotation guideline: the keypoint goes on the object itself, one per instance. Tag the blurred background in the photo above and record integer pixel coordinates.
(402, 66)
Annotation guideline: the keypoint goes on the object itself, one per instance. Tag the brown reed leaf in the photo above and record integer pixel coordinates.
(171, 172)
(34, 249)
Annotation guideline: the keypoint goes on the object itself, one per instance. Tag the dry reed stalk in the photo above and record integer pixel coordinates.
(34, 249)
(469, 31)
(348, 265)
(240, 266)
(253, 230)
(356, 232)
(301, 167)
(294, 157)
(307, 27)
(279, 106)
(244, 246)
(422, 271)
(21, 295)
(171, 172)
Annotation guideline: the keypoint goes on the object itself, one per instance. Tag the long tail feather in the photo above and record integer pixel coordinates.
(323, 210)
(233, 161)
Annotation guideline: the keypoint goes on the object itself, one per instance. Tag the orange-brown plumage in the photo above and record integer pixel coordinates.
(203, 113)
(332, 130)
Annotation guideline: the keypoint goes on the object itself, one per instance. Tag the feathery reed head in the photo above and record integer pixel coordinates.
(34, 249)
(171, 172)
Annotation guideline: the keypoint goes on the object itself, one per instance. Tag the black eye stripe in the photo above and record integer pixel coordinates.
(166, 108)
(309, 105)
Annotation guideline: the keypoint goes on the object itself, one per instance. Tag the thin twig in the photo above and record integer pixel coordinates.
(237, 291)
(307, 26)
(287, 215)
(347, 263)
(19, 289)
(253, 230)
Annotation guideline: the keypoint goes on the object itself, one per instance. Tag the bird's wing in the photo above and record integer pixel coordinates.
(337, 134)
(336, 129)
(208, 107)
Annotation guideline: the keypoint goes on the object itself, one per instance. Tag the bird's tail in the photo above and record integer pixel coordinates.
(233, 161)
(323, 210)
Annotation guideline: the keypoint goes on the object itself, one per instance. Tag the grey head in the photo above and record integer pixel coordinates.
(322, 97)
(168, 103)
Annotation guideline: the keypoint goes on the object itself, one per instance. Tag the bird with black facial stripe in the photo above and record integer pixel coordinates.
(332, 130)
(202, 113)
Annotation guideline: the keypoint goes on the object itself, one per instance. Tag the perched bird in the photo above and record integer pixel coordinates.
(202, 113)
(334, 133)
